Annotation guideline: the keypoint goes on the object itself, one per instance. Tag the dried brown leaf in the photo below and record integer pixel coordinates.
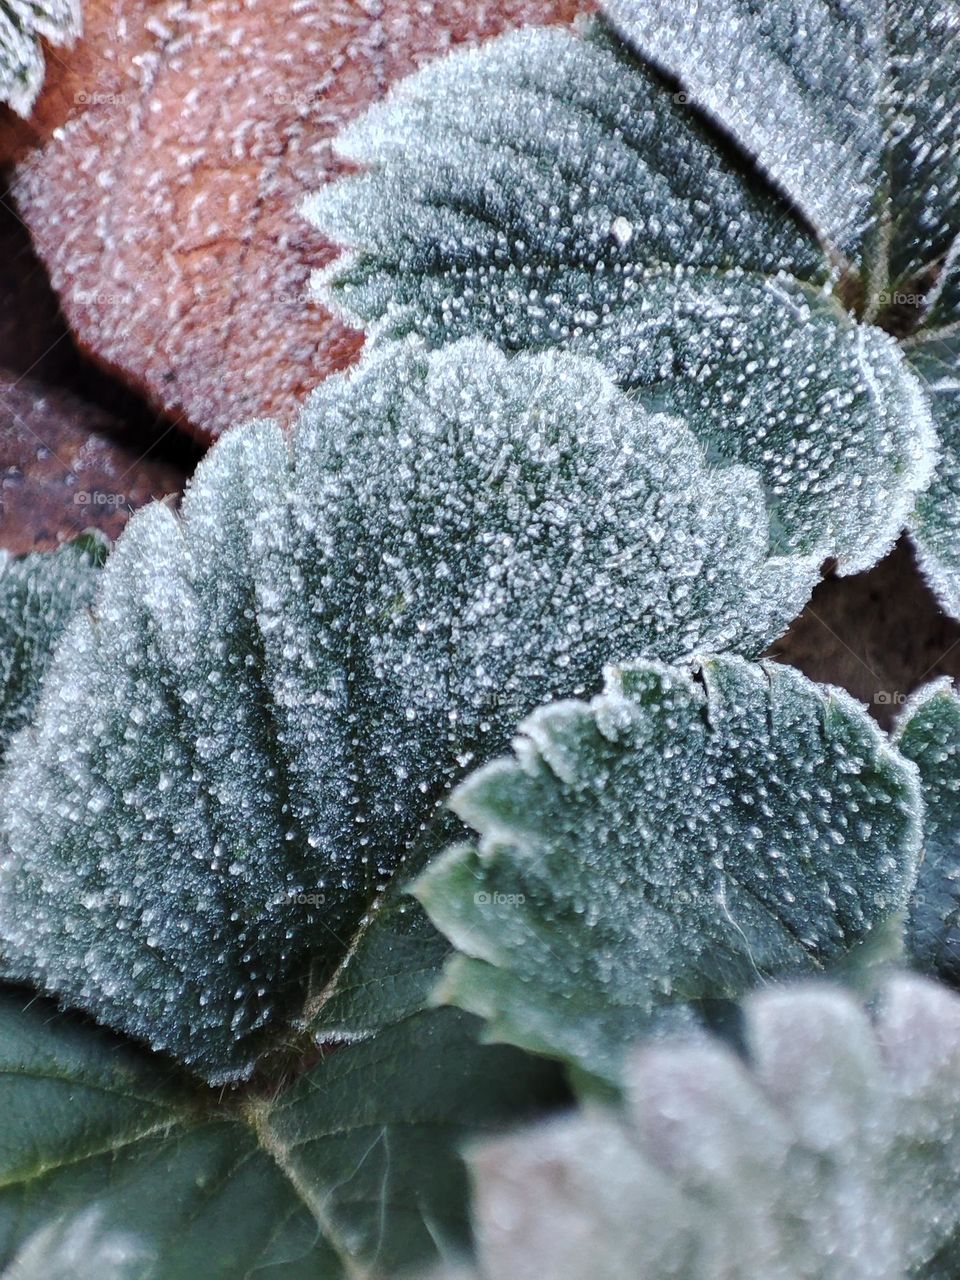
(164, 202)
(67, 466)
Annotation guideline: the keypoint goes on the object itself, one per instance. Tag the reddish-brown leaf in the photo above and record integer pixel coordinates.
(55, 443)
(67, 466)
(165, 203)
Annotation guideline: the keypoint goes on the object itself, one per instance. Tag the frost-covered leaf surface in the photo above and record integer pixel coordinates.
(240, 743)
(935, 526)
(853, 110)
(166, 214)
(687, 834)
(832, 1152)
(22, 24)
(547, 190)
(928, 732)
(39, 596)
(109, 1160)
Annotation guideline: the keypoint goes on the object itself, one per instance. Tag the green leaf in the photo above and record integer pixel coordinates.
(242, 741)
(39, 594)
(778, 377)
(934, 354)
(546, 190)
(832, 1151)
(692, 831)
(113, 1166)
(853, 110)
(390, 970)
(928, 733)
(22, 24)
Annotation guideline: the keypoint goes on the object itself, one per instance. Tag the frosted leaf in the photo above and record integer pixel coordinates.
(688, 833)
(22, 23)
(39, 595)
(928, 732)
(525, 184)
(935, 526)
(237, 749)
(853, 110)
(167, 219)
(546, 190)
(114, 1168)
(776, 376)
(831, 1153)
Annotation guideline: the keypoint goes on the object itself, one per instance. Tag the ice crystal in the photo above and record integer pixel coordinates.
(928, 732)
(39, 594)
(273, 691)
(22, 24)
(689, 832)
(546, 190)
(831, 1153)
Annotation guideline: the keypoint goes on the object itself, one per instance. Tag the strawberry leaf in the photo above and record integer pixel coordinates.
(242, 741)
(690, 832)
(928, 733)
(39, 594)
(110, 1158)
(547, 190)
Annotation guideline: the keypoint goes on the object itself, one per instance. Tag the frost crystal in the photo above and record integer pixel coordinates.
(22, 23)
(546, 190)
(692, 831)
(239, 746)
(831, 1153)
(39, 594)
(928, 732)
